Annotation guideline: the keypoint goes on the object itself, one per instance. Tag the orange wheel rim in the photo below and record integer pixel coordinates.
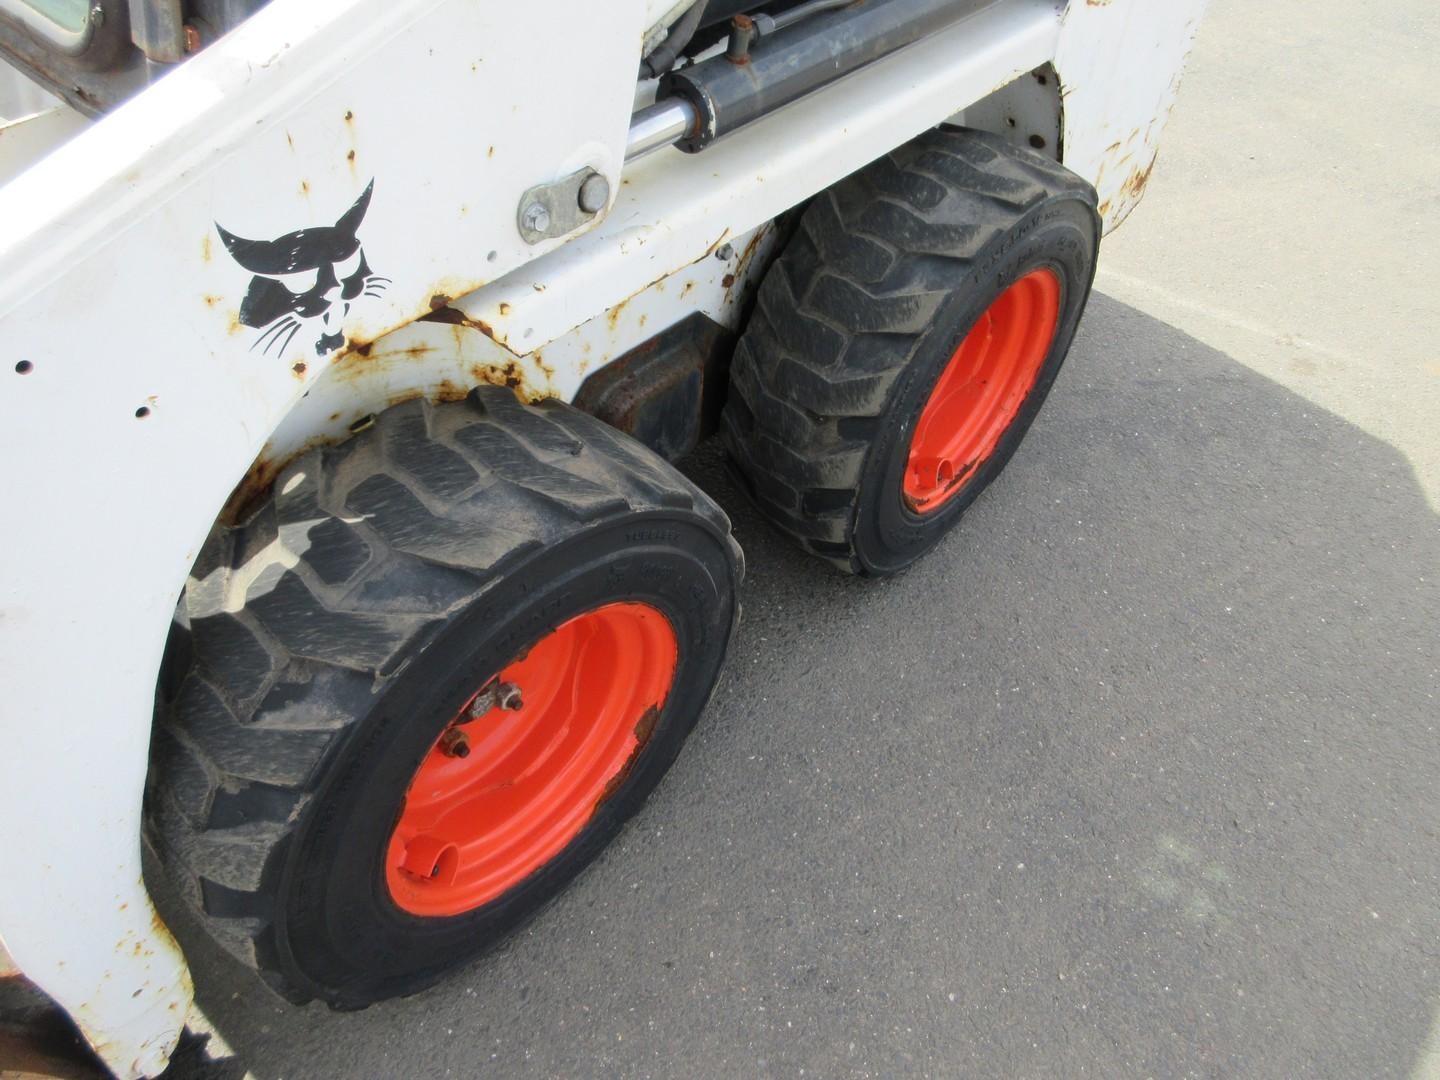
(979, 394)
(529, 759)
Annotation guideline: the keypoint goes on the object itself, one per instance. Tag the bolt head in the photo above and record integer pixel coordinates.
(536, 217)
(594, 193)
(724, 253)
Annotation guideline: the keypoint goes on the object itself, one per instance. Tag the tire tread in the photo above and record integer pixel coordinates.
(289, 643)
(835, 324)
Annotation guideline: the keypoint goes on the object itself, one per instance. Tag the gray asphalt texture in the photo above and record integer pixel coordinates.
(1135, 775)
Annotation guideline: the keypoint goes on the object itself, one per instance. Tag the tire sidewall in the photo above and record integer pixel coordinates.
(1061, 235)
(340, 934)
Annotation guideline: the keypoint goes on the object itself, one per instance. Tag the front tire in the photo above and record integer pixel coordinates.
(308, 787)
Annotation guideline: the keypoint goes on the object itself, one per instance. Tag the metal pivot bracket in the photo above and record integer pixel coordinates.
(561, 206)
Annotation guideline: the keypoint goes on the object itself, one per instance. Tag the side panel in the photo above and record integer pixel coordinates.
(653, 260)
(675, 207)
(1120, 63)
(442, 358)
(135, 395)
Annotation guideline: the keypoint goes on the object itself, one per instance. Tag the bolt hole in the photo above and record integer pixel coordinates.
(1010, 120)
(24, 367)
(492, 256)
(142, 412)
(1037, 141)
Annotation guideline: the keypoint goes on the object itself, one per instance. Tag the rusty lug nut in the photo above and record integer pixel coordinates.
(192, 39)
(507, 696)
(454, 743)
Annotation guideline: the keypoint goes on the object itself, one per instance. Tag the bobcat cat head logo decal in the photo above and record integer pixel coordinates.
(304, 276)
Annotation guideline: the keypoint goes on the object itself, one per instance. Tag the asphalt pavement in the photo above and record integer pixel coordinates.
(1134, 776)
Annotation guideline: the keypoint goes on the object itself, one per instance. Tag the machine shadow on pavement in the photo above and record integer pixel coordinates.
(1134, 775)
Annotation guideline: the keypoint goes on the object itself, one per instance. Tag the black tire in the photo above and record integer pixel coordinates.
(323, 645)
(855, 320)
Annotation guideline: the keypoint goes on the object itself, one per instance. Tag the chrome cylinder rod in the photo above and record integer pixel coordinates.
(662, 124)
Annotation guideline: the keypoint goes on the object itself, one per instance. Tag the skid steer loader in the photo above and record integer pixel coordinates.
(347, 344)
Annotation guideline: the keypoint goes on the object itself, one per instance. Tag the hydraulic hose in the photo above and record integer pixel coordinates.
(662, 58)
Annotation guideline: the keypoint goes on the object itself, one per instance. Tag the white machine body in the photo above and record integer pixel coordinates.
(137, 403)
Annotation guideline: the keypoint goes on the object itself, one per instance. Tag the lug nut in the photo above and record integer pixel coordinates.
(454, 743)
(496, 695)
(507, 696)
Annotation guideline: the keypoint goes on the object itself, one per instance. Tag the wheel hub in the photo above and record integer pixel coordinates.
(529, 758)
(981, 389)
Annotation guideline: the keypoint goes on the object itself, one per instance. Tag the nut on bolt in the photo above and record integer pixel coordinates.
(495, 695)
(507, 696)
(455, 743)
(536, 217)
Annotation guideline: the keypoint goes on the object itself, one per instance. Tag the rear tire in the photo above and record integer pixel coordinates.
(326, 648)
(861, 316)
